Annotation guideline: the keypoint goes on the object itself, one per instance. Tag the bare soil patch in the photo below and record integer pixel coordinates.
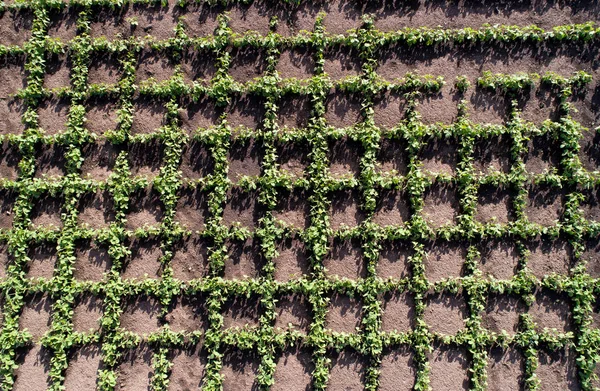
(190, 259)
(292, 262)
(104, 69)
(11, 112)
(96, 210)
(293, 370)
(241, 311)
(101, 115)
(84, 364)
(345, 210)
(439, 156)
(589, 150)
(449, 368)
(9, 161)
(444, 260)
(545, 204)
(499, 259)
(50, 161)
(398, 312)
(244, 259)
(15, 27)
(342, 109)
(46, 212)
(13, 76)
(247, 63)
(445, 313)
(148, 115)
(345, 260)
(551, 310)
(543, 154)
(296, 62)
(293, 312)
(63, 24)
(145, 208)
(188, 314)
(154, 64)
(192, 208)
(293, 158)
(294, 112)
(244, 158)
(344, 157)
(33, 372)
(341, 62)
(245, 111)
(440, 205)
(505, 369)
(239, 370)
(87, 313)
(494, 205)
(557, 369)
(36, 315)
(492, 154)
(144, 261)
(140, 314)
(242, 208)
(198, 66)
(99, 160)
(188, 370)
(348, 371)
(293, 209)
(591, 254)
(197, 161)
(53, 115)
(389, 110)
(91, 261)
(394, 260)
(145, 159)
(397, 372)
(42, 259)
(502, 313)
(134, 373)
(392, 208)
(392, 157)
(549, 256)
(344, 313)
(6, 208)
(58, 71)
(202, 114)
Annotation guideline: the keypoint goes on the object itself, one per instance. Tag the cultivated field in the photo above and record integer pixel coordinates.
(319, 196)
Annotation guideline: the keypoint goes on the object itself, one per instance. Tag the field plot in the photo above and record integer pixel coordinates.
(290, 196)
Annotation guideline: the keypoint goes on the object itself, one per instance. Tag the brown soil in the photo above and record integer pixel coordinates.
(203, 114)
(188, 370)
(345, 260)
(345, 210)
(243, 259)
(5, 260)
(348, 371)
(293, 158)
(33, 372)
(341, 16)
(91, 261)
(344, 157)
(397, 372)
(140, 314)
(144, 261)
(154, 20)
(448, 368)
(46, 212)
(145, 159)
(440, 205)
(239, 370)
(445, 313)
(591, 205)
(148, 115)
(7, 203)
(391, 157)
(247, 111)
(244, 158)
(247, 63)
(439, 156)
(99, 160)
(499, 259)
(11, 112)
(243, 208)
(15, 27)
(50, 161)
(13, 76)
(344, 313)
(543, 154)
(36, 315)
(293, 209)
(341, 62)
(494, 205)
(440, 107)
(104, 69)
(557, 370)
(250, 17)
(293, 371)
(200, 19)
(292, 262)
(392, 208)
(241, 311)
(188, 314)
(492, 154)
(539, 105)
(294, 112)
(190, 259)
(9, 161)
(505, 369)
(154, 64)
(389, 110)
(589, 150)
(591, 254)
(551, 310)
(42, 260)
(197, 161)
(297, 62)
(134, 373)
(101, 115)
(96, 210)
(398, 312)
(192, 208)
(393, 260)
(87, 314)
(444, 260)
(53, 115)
(545, 205)
(549, 256)
(58, 71)
(63, 24)
(292, 311)
(145, 207)
(502, 313)
(198, 66)
(342, 109)
(84, 364)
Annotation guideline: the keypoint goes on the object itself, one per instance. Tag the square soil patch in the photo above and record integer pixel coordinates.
(551, 310)
(543, 154)
(42, 260)
(499, 259)
(144, 261)
(297, 62)
(505, 369)
(9, 161)
(294, 112)
(502, 313)
(190, 259)
(148, 115)
(101, 115)
(394, 260)
(140, 314)
(492, 154)
(292, 312)
(91, 261)
(83, 366)
(46, 212)
(15, 27)
(13, 76)
(245, 112)
(104, 68)
(99, 160)
(293, 370)
(439, 156)
(197, 161)
(345, 260)
(50, 160)
(33, 371)
(11, 112)
(36, 315)
(441, 205)
(53, 115)
(444, 260)
(200, 19)
(398, 312)
(154, 64)
(293, 209)
(389, 110)
(244, 158)
(591, 204)
(589, 149)
(341, 62)
(198, 65)
(345, 210)
(449, 368)
(397, 372)
(96, 210)
(548, 256)
(241, 311)
(392, 208)
(58, 72)
(192, 208)
(247, 63)
(494, 205)
(135, 372)
(392, 157)
(252, 17)
(293, 158)
(243, 260)
(188, 370)
(241, 208)
(196, 115)
(145, 208)
(239, 370)
(145, 159)
(7, 203)
(557, 370)
(344, 313)
(87, 314)
(344, 157)
(342, 110)
(445, 313)
(292, 262)
(348, 371)
(188, 314)
(63, 24)
(591, 254)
